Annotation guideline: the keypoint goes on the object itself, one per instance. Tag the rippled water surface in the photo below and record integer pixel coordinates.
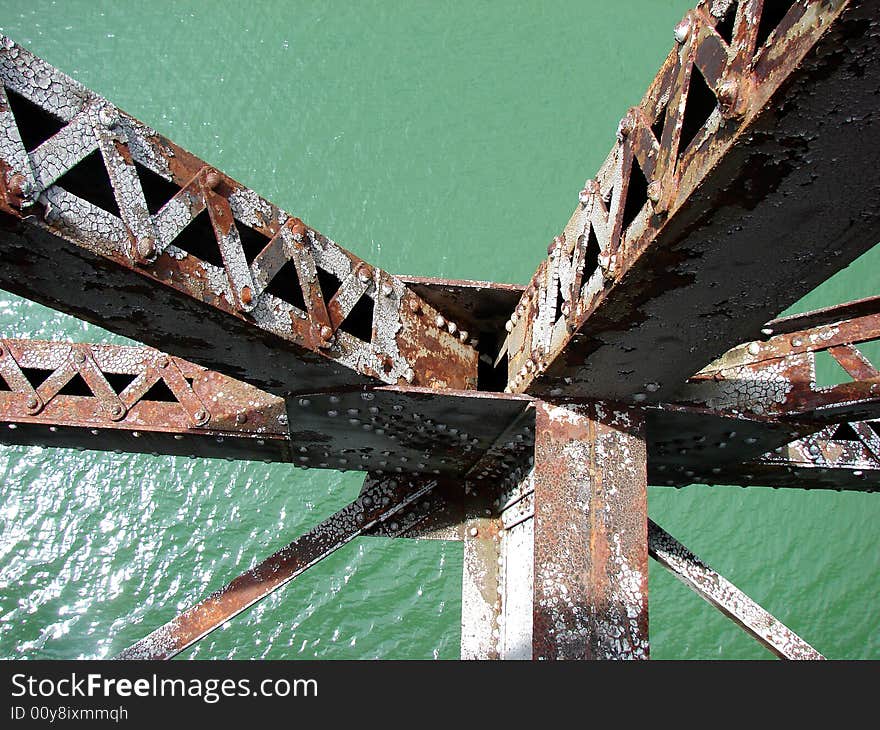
(436, 139)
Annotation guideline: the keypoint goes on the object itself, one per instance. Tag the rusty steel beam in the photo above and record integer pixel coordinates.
(133, 399)
(129, 398)
(106, 219)
(745, 177)
(776, 376)
(726, 597)
(379, 501)
(590, 533)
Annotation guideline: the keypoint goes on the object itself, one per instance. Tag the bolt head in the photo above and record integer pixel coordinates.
(108, 117)
(212, 179)
(32, 402)
(326, 333)
(79, 357)
(201, 416)
(683, 29)
(247, 295)
(626, 126)
(146, 247)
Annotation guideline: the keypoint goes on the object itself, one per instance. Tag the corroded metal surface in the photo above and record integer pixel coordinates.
(776, 376)
(380, 499)
(120, 398)
(841, 457)
(726, 597)
(101, 209)
(590, 533)
(739, 143)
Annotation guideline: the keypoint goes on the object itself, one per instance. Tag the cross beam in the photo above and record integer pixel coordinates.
(110, 221)
(736, 186)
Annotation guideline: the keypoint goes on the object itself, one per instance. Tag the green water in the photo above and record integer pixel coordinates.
(432, 138)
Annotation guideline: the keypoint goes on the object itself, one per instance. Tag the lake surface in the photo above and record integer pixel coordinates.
(439, 138)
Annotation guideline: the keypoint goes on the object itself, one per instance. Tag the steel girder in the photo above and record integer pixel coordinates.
(745, 177)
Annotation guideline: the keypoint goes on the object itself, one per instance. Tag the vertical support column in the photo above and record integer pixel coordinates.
(481, 586)
(590, 533)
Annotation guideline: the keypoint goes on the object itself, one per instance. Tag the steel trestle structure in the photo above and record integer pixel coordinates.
(525, 422)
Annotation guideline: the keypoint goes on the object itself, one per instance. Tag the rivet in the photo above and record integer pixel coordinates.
(146, 247)
(32, 402)
(326, 333)
(652, 387)
(452, 327)
(626, 126)
(162, 362)
(305, 402)
(79, 357)
(246, 295)
(440, 320)
(728, 94)
(115, 409)
(201, 416)
(754, 348)
(363, 275)
(334, 399)
(654, 190)
(508, 325)
(387, 289)
(766, 331)
(683, 29)
(332, 414)
(639, 397)
(108, 117)
(409, 375)
(797, 342)
(367, 396)
(178, 437)
(136, 434)
(241, 418)
(473, 532)
(415, 306)
(212, 179)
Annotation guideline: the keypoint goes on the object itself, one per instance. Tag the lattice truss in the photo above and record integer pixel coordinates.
(525, 422)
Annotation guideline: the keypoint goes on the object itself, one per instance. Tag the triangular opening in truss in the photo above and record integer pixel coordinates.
(119, 381)
(199, 240)
(76, 386)
(157, 190)
(4, 386)
(772, 14)
(559, 302)
(35, 376)
(636, 194)
(35, 125)
(88, 180)
(359, 322)
(160, 392)
(329, 284)
(252, 241)
(608, 200)
(875, 426)
(700, 104)
(591, 256)
(659, 124)
(845, 432)
(829, 372)
(285, 285)
(725, 25)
